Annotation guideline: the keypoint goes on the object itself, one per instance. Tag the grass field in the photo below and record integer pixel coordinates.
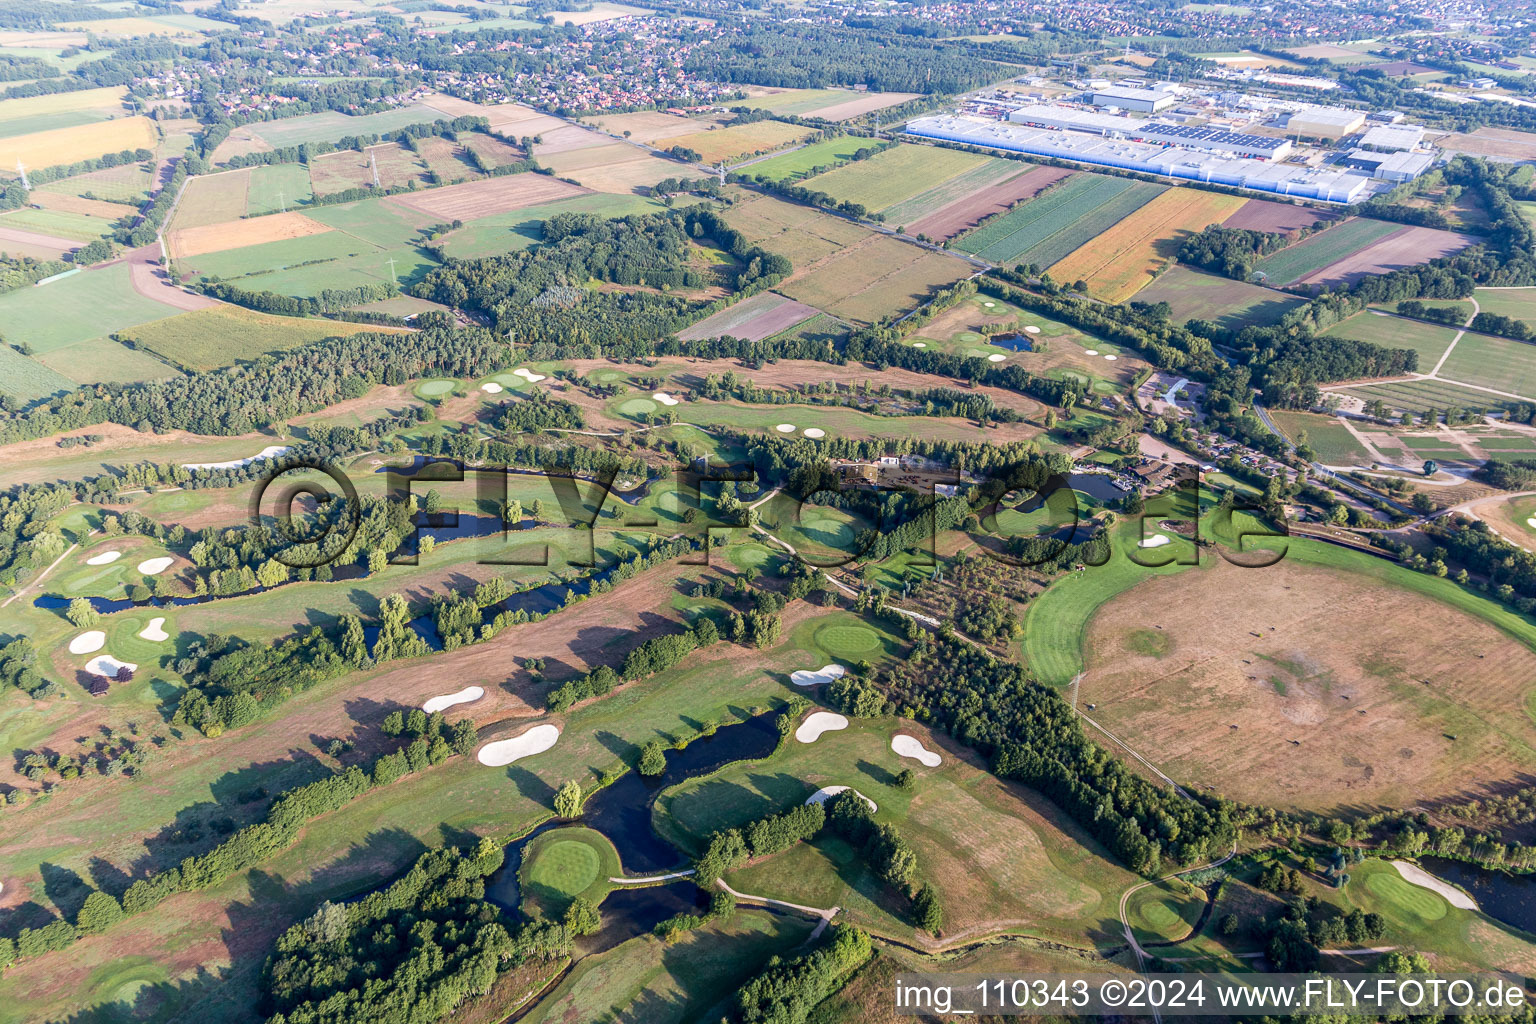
(1194, 294)
(1333, 444)
(209, 338)
(102, 360)
(795, 101)
(329, 126)
(1429, 340)
(78, 227)
(273, 188)
(1044, 230)
(875, 279)
(212, 199)
(1519, 303)
(88, 305)
(802, 233)
(1123, 259)
(737, 141)
(27, 379)
(518, 229)
(123, 182)
(1497, 363)
(78, 142)
(807, 160)
(1317, 251)
(1419, 395)
(895, 175)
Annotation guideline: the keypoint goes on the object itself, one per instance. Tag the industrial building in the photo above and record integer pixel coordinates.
(1393, 167)
(1214, 140)
(1326, 122)
(1043, 115)
(1329, 184)
(1146, 101)
(1395, 138)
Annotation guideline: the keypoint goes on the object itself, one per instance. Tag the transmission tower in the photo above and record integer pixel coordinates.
(280, 203)
(22, 171)
(392, 272)
(374, 164)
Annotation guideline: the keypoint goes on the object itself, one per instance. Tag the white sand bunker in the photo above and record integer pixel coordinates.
(266, 453)
(785, 428)
(989, 305)
(825, 674)
(448, 700)
(819, 722)
(1111, 358)
(1157, 540)
(919, 344)
(1531, 522)
(155, 566)
(528, 375)
(1418, 876)
(815, 432)
(535, 741)
(105, 558)
(911, 746)
(826, 793)
(996, 357)
(490, 387)
(88, 643)
(107, 666)
(664, 398)
(153, 630)
(1090, 352)
(1031, 329)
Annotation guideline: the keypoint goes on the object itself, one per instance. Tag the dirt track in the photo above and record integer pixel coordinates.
(146, 276)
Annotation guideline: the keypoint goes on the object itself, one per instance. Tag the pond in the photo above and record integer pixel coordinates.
(1013, 341)
(622, 812)
(1507, 898)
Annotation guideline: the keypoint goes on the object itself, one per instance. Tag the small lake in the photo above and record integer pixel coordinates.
(1510, 899)
(1015, 342)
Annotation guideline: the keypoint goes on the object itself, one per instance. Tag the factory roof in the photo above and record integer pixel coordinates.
(1195, 136)
(1340, 116)
(1130, 93)
(1397, 136)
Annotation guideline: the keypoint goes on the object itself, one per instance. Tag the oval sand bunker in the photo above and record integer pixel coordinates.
(815, 432)
(155, 566)
(107, 666)
(105, 558)
(996, 357)
(826, 793)
(88, 642)
(153, 630)
(664, 398)
(785, 428)
(1155, 541)
(825, 674)
(448, 700)
(535, 741)
(821, 721)
(911, 746)
(1031, 329)
(490, 387)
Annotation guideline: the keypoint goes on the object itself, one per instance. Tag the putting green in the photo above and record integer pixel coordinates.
(609, 376)
(435, 388)
(508, 380)
(563, 869)
(748, 555)
(565, 863)
(1404, 900)
(637, 407)
(968, 336)
(847, 641)
(1159, 916)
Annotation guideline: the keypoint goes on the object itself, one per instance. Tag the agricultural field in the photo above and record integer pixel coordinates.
(803, 234)
(1283, 218)
(1314, 254)
(26, 379)
(1196, 295)
(829, 104)
(123, 183)
(90, 304)
(519, 229)
(487, 198)
(617, 167)
(1429, 340)
(759, 317)
(971, 209)
(895, 175)
(1495, 363)
(59, 110)
(1419, 395)
(238, 234)
(1327, 435)
(394, 165)
(105, 361)
(807, 160)
(1406, 247)
(210, 338)
(875, 279)
(650, 125)
(1125, 258)
(737, 141)
(276, 188)
(1519, 303)
(76, 142)
(330, 126)
(1045, 230)
(958, 188)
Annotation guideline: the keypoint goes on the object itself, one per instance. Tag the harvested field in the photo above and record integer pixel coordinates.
(80, 142)
(488, 197)
(759, 317)
(1406, 247)
(1045, 230)
(1504, 143)
(1281, 218)
(337, 172)
(238, 234)
(801, 233)
(966, 212)
(1329, 689)
(566, 138)
(126, 181)
(496, 152)
(446, 160)
(20, 242)
(496, 114)
(1119, 262)
(737, 141)
(896, 175)
(875, 279)
(627, 177)
(861, 104)
(105, 100)
(1193, 294)
(597, 12)
(650, 125)
(213, 199)
(1318, 251)
(86, 207)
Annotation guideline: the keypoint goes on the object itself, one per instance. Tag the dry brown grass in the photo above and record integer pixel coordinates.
(1305, 687)
(237, 234)
(489, 196)
(80, 142)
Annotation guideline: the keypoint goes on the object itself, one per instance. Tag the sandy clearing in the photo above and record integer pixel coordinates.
(448, 700)
(237, 234)
(88, 642)
(819, 722)
(825, 674)
(266, 453)
(106, 665)
(1418, 876)
(911, 746)
(503, 752)
(826, 793)
(154, 630)
(105, 558)
(155, 566)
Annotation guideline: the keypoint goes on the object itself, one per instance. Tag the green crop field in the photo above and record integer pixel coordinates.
(27, 379)
(1193, 294)
(961, 185)
(104, 361)
(1497, 363)
(895, 175)
(804, 161)
(209, 338)
(1044, 230)
(1321, 249)
(518, 229)
(1419, 395)
(796, 101)
(124, 182)
(87, 305)
(1328, 437)
(374, 220)
(330, 126)
(1519, 303)
(276, 187)
(77, 227)
(1429, 340)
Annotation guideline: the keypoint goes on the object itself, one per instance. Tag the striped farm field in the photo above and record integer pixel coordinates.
(1047, 229)
(965, 183)
(1121, 261)
(896, 175)
(1315, 252)
(1418, 395)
